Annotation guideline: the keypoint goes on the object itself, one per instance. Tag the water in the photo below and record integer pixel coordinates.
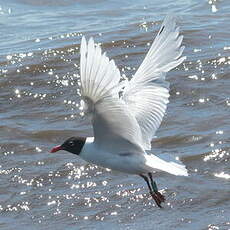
(39, 65)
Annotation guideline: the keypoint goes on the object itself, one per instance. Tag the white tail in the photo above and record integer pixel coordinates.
(156, 163)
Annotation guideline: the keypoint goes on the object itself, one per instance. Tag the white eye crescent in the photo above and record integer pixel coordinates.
(71, 143)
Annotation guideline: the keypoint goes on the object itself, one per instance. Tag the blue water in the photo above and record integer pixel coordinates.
(39, 64)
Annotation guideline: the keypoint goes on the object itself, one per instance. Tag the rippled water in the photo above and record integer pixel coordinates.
(39, 67)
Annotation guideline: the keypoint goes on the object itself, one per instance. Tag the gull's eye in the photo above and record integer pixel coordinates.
(71, 143)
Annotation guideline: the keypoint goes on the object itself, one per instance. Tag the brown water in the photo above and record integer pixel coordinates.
(39, 65)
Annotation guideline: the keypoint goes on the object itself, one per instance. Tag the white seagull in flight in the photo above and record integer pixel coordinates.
(126, 114)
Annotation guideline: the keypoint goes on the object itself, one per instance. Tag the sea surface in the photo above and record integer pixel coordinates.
(39, 108)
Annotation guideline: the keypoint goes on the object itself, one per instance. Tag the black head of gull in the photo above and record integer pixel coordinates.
(73, 145)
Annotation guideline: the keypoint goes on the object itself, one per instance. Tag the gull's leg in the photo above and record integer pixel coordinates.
(152, 193)
(155, 189)
(153, 183)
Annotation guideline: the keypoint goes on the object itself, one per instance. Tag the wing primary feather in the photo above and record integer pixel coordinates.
(82, 62)
(145, 95)
(147, 92)
(100, 86)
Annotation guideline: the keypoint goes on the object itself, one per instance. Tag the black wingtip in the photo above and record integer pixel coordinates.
(161, 30)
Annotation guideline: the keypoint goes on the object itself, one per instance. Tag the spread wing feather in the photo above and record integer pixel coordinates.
(115, 128)
(135, 117)
(147, 92)
(99, 75)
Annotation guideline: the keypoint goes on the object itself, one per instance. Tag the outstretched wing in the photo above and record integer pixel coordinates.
(99, 75)
(115, 128)
(147, 92)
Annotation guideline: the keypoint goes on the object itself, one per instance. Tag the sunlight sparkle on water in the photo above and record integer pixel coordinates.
(214, 9)
(38, 149)
(220, 132)
(217, 154)
(9, 57)
(51, 202)
(195, 77)
(222, 175)
(17, 91)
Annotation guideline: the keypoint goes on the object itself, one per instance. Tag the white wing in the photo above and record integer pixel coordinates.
(147, 92)
(99, 75)
(114, 126)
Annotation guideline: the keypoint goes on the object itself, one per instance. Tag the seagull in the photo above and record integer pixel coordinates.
(125, 114)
